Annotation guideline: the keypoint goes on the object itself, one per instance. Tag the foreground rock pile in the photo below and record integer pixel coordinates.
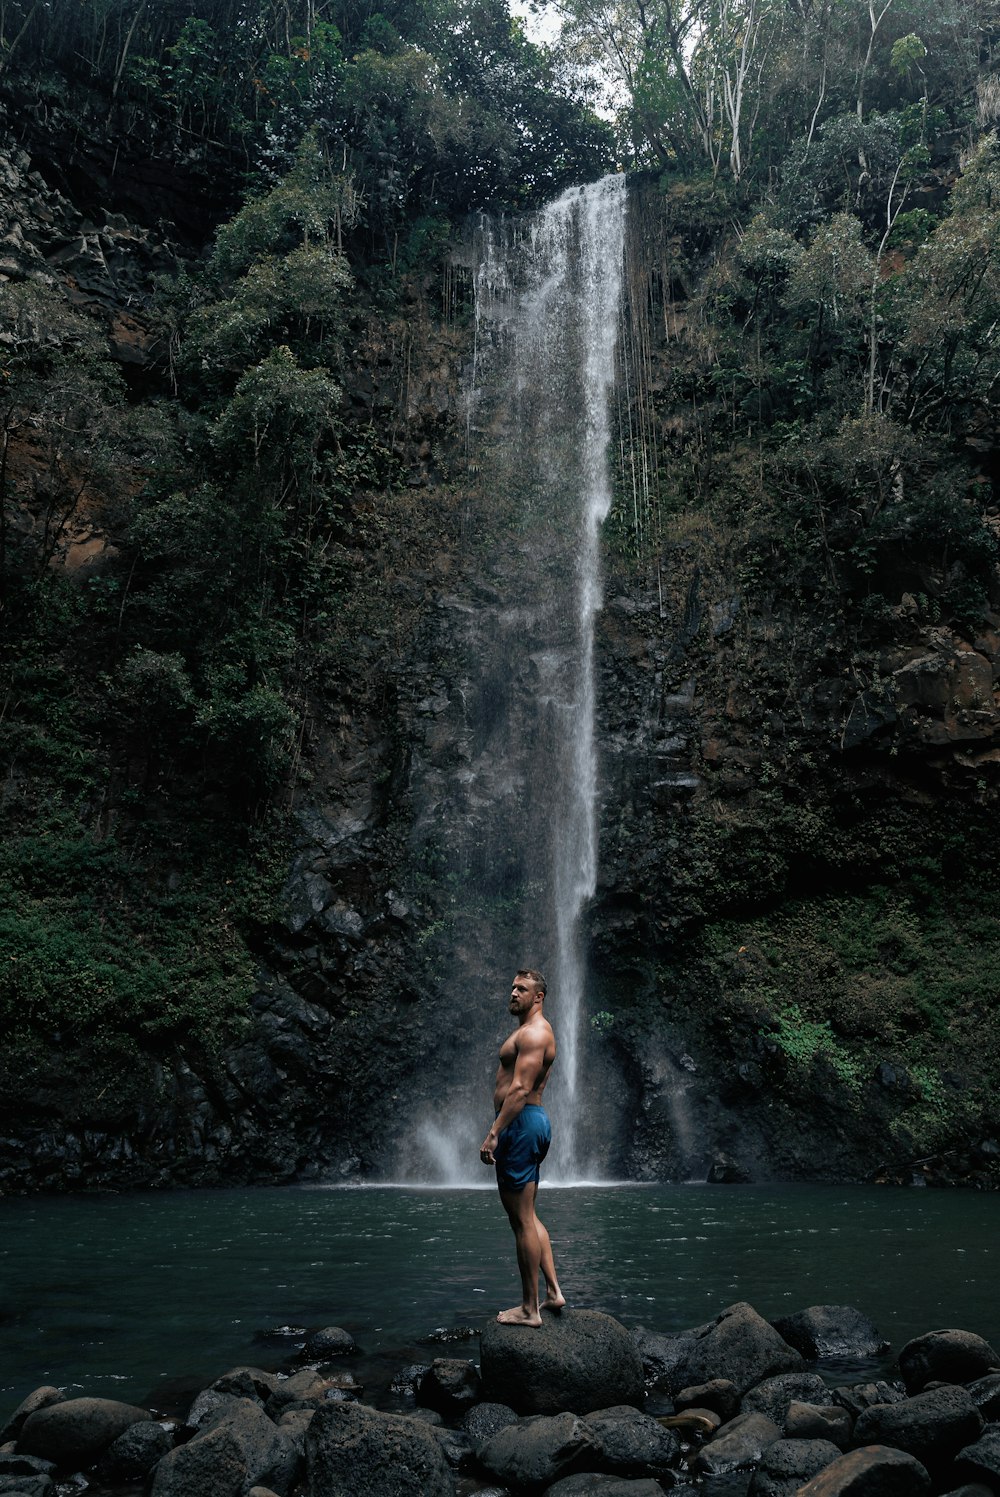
(741, 1411)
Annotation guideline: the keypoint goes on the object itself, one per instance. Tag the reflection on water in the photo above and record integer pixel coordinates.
(125, 1296)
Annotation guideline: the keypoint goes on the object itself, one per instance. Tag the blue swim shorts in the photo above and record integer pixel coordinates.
(522, 1146)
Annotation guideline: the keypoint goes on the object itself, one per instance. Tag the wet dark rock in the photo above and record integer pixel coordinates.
(933, 1425)
(134, 1454)
(664, 1357)
(330, 1341)
(27, 1486)
(946, 1356)
(774, 1395)
(740, 1346)
(787, 1465)
(457, 1448)
(980, 1461)
(874, 1471)
(236, 1449)
(353, 1449)
(825, 1331)
(73, 1433)
(247, 1382)
(580, 1360)
(985, 1394)
(537, 1451)
(41, 1398)
(450, 1385)
(208, 1403)
(810, 1421)
(407, 1379)
(631, 1443)
(593, 1484)
(865, 1395)
(444, 1337)
(485, 1420)
(13, 1464)
(302, 1389)
(737, 1445)
(719, 1395)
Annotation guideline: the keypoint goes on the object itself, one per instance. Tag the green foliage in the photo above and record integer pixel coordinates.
(802, 1040)
(86, 954)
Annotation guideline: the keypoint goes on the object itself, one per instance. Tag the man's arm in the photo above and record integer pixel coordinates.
(527, 1069)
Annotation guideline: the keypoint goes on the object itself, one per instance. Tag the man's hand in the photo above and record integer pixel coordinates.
(488, 1146)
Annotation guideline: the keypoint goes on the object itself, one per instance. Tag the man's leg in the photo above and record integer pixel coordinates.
(554, 1298)
(534, 1252)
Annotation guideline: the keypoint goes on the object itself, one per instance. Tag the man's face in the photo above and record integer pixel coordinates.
(522, 995)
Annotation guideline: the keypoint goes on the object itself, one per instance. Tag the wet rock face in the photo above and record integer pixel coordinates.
(579, 1360)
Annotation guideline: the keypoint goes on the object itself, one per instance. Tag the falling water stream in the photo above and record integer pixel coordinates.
(547, 294)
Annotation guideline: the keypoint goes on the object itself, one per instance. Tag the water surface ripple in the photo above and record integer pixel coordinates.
(135, 1296)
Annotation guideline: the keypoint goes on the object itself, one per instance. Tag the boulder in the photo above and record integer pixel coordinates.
(738, 1445)
(630, 1443)
(41, 1398)
(873, 1471)
(664, 1357)
(134, 1454)
(578, 1361)
(303, 1389)
(330, 1341)
(537, 1451)
(247, 1382)
(75, 1432)
(825, 1331)
(450, 1385)
(933, 1426)
(946, 1357)
(985, 1394)
(456, 1447)
(788, 1464)
(27, 1486)
(719, 1395)
(485, 1420)
(774, 1395)
(353, 1449)
(236, 1449)
(740, 1346)
(980, 1461)
(971, 1489)
(592, 1484)
(812, 1421)
(207, 1405)
(865, 1395)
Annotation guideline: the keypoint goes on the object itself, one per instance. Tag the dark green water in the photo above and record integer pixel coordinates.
(137, 1296)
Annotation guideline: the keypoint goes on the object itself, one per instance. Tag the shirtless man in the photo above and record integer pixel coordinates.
(519, 1140)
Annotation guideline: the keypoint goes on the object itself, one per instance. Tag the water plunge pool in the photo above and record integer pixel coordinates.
(146, 1297)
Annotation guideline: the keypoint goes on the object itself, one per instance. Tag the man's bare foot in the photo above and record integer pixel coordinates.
(519, 1316)
(553, 1302)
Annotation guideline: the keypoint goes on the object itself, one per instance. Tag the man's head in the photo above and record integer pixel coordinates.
(534, 977)
(526, 993)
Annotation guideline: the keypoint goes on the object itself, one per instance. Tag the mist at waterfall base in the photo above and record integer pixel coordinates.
(147, 1297)
(515, 825)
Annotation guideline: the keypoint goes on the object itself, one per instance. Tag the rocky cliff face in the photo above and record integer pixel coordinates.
(779, 793)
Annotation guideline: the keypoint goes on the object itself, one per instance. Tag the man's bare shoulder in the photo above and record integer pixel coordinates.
(537, 1031)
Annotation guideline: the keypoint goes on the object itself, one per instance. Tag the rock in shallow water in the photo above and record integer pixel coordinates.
(75, 1432)
(579, 1361)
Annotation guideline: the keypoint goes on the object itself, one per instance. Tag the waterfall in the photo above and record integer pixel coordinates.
(553, 289)
(523, 806)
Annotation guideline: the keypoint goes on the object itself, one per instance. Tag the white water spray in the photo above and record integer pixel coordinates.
(557, 291)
